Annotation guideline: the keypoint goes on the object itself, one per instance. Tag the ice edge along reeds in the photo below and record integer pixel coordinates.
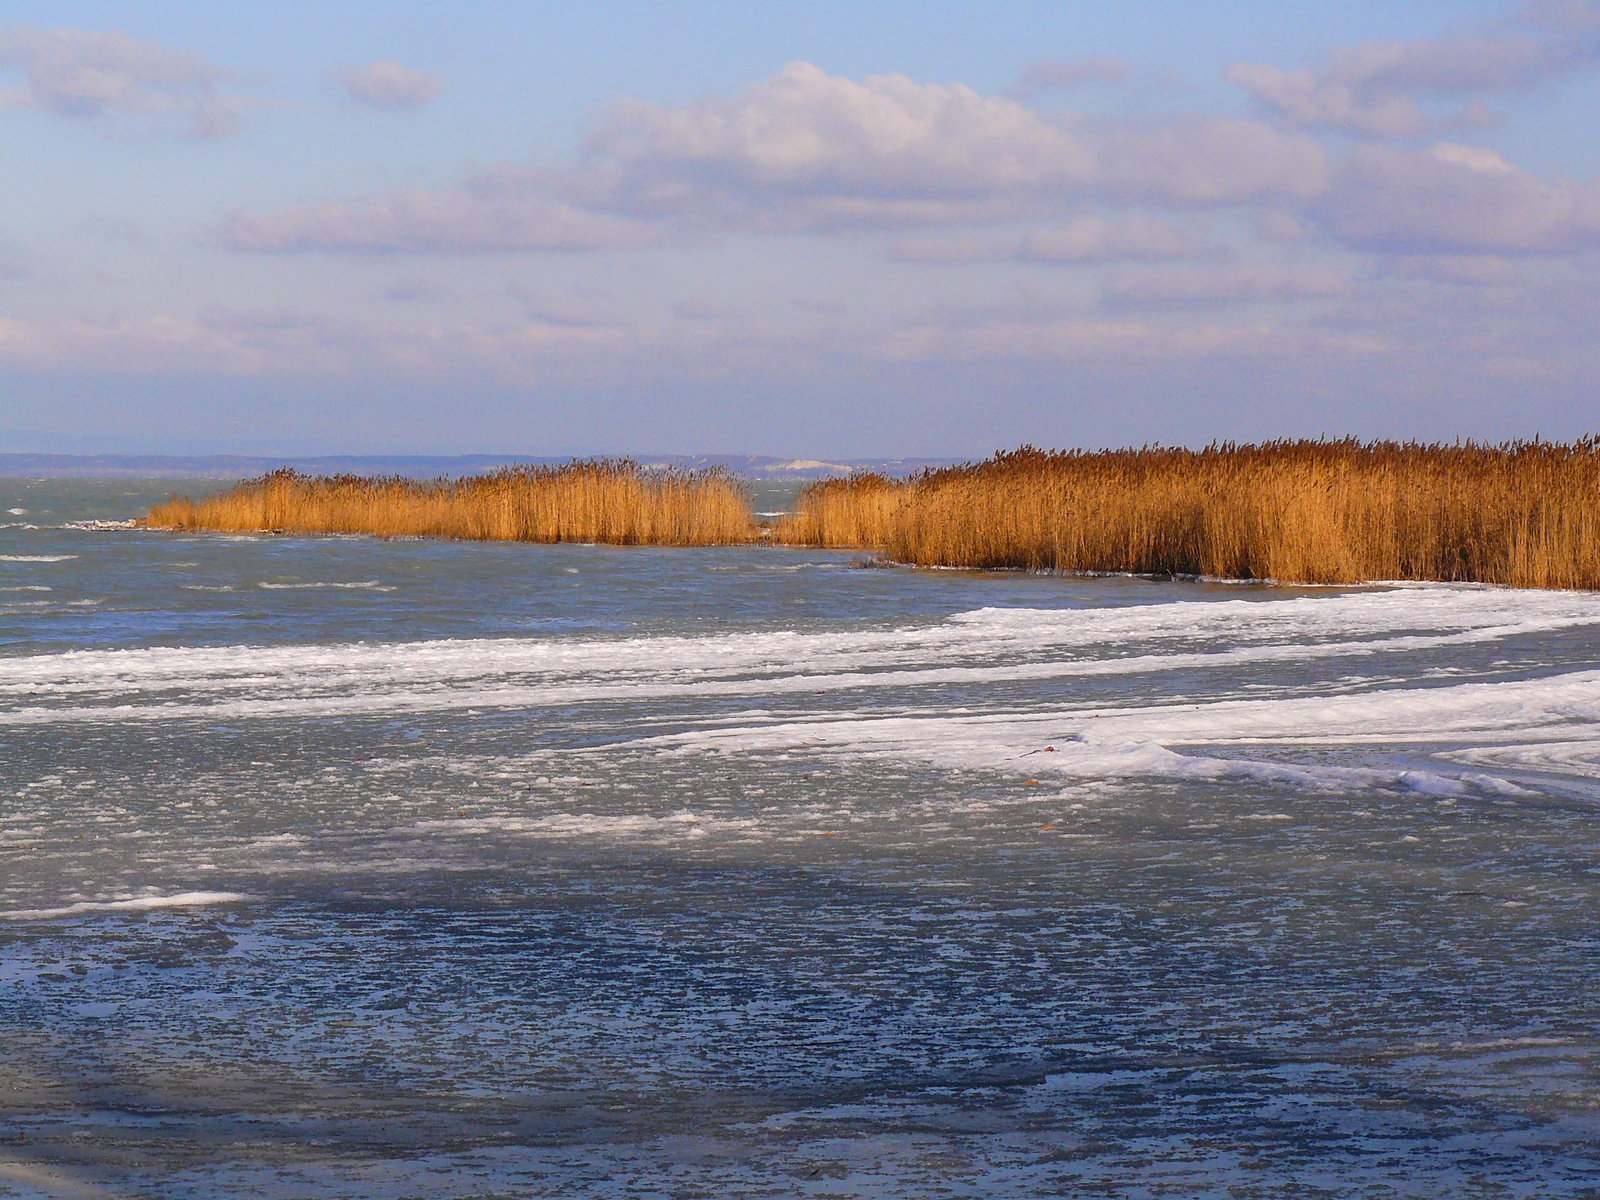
(1523, 514)
(612, 501)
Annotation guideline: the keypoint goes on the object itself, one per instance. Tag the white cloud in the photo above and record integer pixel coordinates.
(1311, 99)
(1189, 161)
(479, 217)
(388, 84)
(807, 149)
(1238, 284)
(1420, 255)
(1083, 239)
(807, 131)
(1047, 74)
(1409, 89)
(1454, 199)
(1137, 343)
(289, 342)
(73, 73)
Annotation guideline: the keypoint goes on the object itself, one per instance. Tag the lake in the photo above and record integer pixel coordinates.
(360, 868)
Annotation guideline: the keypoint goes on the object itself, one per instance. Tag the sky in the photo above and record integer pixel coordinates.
(812, 230)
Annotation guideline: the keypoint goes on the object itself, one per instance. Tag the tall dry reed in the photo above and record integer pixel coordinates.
(1526, 514)
(613, 501)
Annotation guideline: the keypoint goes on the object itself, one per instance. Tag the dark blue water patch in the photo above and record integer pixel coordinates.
(139, 588)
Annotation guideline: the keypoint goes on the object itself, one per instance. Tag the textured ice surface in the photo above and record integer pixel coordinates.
(565, 871)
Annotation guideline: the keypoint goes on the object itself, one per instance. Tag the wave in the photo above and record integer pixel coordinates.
(982, 646)
(295, 587)
(128, 904)
(96, 526)
(1549, 725)
(1383, 703)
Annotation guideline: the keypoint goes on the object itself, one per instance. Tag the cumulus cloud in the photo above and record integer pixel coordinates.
(73, 73)
(388, 84)
(1454, 199)
(1408, 89)
(806, 150)
(805, 130)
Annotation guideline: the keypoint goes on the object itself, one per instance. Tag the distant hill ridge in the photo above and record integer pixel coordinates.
(419, 466)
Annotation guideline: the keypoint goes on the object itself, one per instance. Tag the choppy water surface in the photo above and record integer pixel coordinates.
(354, 868)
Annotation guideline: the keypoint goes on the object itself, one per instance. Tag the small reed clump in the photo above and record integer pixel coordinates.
(1523, 514)
(611, 501)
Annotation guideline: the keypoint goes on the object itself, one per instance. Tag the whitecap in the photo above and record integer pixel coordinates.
(128, 904)
(291, 587)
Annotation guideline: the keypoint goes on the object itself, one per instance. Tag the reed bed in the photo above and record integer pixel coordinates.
(613, 501)
(1523, 514)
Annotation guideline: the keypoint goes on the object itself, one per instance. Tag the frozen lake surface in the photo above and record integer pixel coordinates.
(350, 868)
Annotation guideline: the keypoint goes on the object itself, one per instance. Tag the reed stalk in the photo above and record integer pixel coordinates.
(612, 501)
(1523, 514)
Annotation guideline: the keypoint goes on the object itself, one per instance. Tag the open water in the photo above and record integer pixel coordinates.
(343, 867)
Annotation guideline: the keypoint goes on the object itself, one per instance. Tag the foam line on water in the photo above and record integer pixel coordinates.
(1169, 740)
(373, 584)
(978, 634)
(675, 826)
(981, 647)
(131, 904)
(430, 696)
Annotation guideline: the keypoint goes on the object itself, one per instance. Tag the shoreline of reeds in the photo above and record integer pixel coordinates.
(604, 501)
(1519, 514)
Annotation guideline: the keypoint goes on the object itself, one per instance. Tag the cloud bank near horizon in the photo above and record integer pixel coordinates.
(1346, 222)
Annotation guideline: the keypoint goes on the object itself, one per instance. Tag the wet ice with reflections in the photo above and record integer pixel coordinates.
(358, 868)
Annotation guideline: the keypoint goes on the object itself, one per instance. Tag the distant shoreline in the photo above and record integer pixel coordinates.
(15, 465)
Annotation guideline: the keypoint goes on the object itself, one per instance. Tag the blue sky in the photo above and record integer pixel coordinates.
(810, 229)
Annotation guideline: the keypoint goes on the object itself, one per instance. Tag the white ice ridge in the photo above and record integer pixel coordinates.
(1550, 725)
(131, 904)
(985, 646)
